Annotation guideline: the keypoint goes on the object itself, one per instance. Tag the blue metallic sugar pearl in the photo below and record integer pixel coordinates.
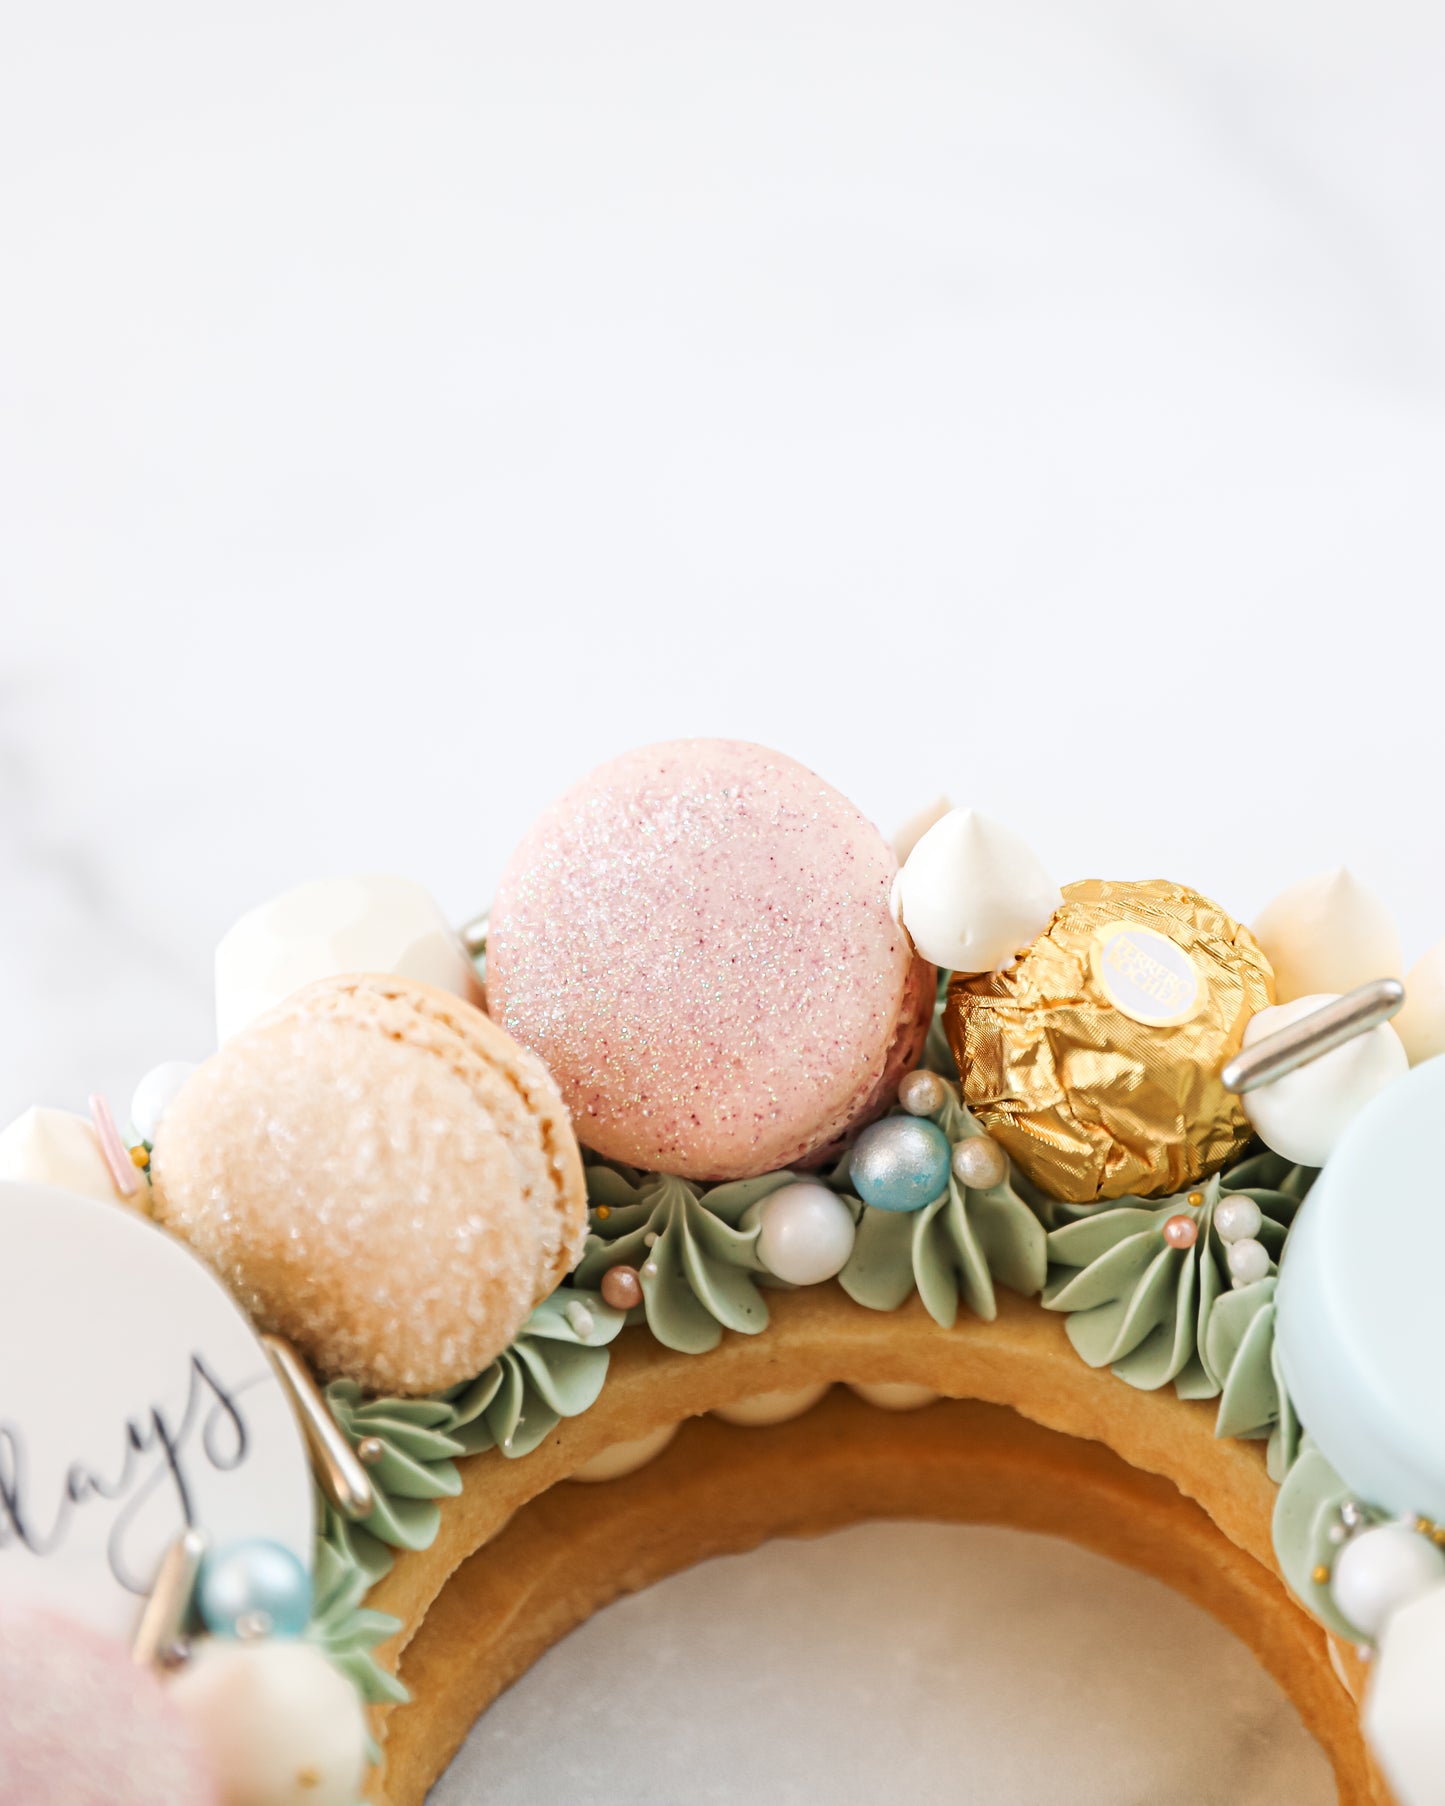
(255, 1589)
(900, 1163)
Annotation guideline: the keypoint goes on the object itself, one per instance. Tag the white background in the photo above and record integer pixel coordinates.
(403, 408)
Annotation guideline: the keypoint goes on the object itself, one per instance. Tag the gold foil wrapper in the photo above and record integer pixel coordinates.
(1095, 1059)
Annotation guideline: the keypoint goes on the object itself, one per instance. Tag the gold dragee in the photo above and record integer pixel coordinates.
(1090, 1102)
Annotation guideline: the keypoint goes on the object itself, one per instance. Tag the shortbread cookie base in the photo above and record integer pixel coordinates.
(1026, 1435)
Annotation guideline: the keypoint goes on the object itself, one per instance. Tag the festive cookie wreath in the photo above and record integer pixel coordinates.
(935, 1193)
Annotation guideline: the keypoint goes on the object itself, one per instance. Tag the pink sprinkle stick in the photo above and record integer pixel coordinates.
(117, 1158)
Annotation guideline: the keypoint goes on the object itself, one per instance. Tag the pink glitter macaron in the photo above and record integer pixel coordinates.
(696, 940)
(82, 1725)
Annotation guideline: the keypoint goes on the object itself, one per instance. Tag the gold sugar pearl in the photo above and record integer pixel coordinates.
(1321, 1576)
(140, 1157)
(602, 1212)
(1196, 1198)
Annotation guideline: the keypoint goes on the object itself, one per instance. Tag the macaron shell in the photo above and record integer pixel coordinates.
(379, 1175)
(513, 1085)
(915, 1015)
(697, 942)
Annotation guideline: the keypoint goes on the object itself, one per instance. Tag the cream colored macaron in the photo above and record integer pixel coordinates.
(379, 1173)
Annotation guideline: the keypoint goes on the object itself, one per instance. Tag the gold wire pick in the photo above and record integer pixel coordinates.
(1324, 1029)
(339, 1473)
(160, 1638)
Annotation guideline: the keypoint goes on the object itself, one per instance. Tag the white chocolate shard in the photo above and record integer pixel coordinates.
(1402, 1716)
(1328, 933)
(972, 895)
(56, 1147)
(331, 927)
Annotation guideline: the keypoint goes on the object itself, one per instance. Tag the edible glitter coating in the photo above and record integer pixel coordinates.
(381, 1175)
(81, 1725)
(696, 940)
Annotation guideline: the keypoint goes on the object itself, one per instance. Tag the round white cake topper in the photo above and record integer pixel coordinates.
(135, 1399)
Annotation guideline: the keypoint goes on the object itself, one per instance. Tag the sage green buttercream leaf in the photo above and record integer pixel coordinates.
(363, 1552)
(1146, 1308)
(1167, 1350)
(1095, 1332)
(937, 1054)
(726, 1290)
(1080, 1243)
(1240, 1342)
(1151, 1302)
(1012, 1240)
(675, 1314)
(879, 1272)
(933, 1270)
(566, 1378)
(1208, 1379)
(956, 1247)
(729, 1201)
(1108, 1277)
(471, 1401)
(1287, 1436)
(346, 1630)
(956, 1232)
(605, 1185)
(696, 1264)
(1306, 1510)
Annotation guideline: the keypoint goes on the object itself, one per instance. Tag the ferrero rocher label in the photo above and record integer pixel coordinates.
(1095, 1059)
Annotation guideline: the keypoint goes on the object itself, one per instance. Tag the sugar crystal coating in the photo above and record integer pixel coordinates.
(81, 1725)
(379, 1174)
(696, 940)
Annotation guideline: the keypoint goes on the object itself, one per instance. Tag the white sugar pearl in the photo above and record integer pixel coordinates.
(979, 1164)
(892, 1395)
(1248, 1261)
(625, 1457)
(154, 1093)
(772, 1407)
(921, 1093)
(281, 1725)
(805, 1233)
(1382, 1569)
(1238, 1219)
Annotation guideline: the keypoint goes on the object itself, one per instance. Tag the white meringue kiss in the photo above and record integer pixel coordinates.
(972, 895)
(1421, 1024)
(330, 927)
(1303, 1114)
(1327, 934)
(917, 825)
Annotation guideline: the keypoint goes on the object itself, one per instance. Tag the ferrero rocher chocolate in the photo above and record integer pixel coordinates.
(1095, 1059)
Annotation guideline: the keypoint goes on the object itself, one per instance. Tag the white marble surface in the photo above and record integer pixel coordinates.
(402, 408)
(751, 1677)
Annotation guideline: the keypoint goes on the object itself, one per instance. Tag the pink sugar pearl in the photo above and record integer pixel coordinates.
(696, 940)
(81, 1725)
